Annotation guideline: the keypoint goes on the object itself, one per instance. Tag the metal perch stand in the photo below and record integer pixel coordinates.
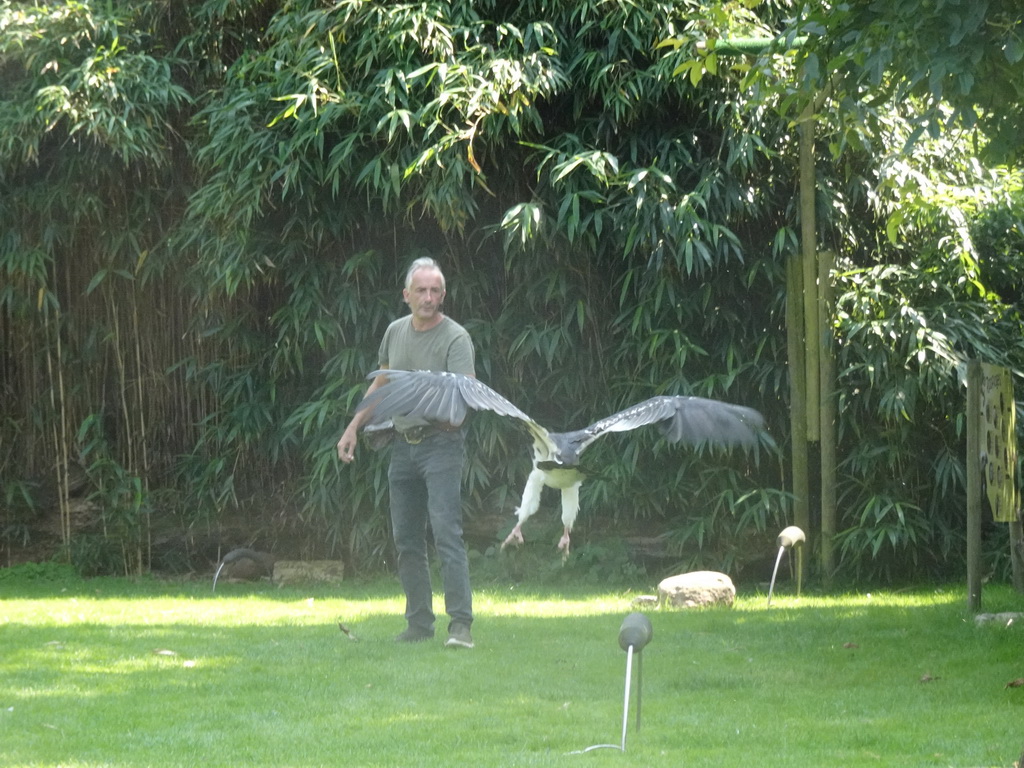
(635, 633)
(791, 537)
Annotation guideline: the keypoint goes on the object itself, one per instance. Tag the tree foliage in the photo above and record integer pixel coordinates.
(962, 62)
(207, 209)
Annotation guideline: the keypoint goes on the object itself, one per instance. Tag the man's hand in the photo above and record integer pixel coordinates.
(347, 446)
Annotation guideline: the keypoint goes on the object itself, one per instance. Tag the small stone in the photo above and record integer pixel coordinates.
(298, 571)
(646, 601)
(1006, 619)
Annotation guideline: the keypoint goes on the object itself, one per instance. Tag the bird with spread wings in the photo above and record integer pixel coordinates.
(447, 398)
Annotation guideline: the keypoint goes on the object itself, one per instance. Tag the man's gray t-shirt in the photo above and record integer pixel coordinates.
(445, 347)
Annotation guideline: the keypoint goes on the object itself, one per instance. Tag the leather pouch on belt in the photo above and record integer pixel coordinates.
(379, 435)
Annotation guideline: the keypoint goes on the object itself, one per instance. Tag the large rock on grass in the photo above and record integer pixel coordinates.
(697, 589)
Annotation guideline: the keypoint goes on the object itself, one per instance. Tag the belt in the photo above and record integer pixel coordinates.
(417, 435)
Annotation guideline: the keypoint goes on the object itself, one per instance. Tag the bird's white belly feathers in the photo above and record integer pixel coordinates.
(562, 478)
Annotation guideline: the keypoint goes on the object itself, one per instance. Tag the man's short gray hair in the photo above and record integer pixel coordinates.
(424, 262)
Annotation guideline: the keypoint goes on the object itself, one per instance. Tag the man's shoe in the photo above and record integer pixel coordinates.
(458, 637)
(415, 635)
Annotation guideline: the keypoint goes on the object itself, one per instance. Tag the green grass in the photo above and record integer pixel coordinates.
(114, 673)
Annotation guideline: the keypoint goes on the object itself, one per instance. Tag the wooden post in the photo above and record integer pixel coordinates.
(1017, 553)
(997, 444)
(973, 462)
(797, 387)
(829, 415)
(803, 328)
(804, 356)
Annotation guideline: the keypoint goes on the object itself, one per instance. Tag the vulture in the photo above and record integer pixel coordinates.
(447, 398)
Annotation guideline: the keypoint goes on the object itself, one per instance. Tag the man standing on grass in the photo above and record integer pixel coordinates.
(425, 475)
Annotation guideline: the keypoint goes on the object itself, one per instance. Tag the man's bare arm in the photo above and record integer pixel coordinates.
(349, 438)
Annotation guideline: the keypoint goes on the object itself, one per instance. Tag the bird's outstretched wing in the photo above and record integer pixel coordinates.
(439, 396)
(690, 420)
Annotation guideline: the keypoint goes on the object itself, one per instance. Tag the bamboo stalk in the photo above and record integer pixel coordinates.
(58, 402)
(129, 431)
(143, 564)
(809, 265)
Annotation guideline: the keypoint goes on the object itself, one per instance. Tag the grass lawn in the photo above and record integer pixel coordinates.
(109, 672)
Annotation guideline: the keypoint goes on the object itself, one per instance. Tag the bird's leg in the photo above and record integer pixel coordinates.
(563, 544)
(529, 505)
(514, 537)
(570, 508)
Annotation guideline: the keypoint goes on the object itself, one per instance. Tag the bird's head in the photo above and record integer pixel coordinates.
(563, 448)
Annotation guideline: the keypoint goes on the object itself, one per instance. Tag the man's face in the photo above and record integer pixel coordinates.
(425, 295)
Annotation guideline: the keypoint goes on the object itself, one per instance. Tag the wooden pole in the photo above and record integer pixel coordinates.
(973, 462)
(804, 336)
(797, 387)
(803, 331)
(829, 415)
(1017, 553)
